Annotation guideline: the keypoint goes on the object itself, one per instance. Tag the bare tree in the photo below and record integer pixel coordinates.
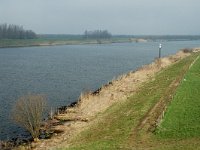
(28, 113)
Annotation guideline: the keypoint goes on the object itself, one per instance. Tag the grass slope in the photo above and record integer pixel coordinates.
(114, 130)
(182, 120)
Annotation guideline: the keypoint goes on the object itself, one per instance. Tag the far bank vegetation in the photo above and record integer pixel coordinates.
(11, 31)
(97, 34)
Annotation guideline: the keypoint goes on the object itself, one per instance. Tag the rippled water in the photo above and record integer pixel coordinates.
(63, 72)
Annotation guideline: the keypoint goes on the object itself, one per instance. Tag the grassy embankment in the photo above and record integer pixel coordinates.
(131, 124)
(56, 41)
(182, 120)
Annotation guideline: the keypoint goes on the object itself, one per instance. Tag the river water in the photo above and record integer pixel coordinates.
(63, 72)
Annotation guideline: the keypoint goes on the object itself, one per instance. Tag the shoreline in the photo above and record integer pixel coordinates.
(52, 40)
(85, 111)
(47, 42)
(82, 113)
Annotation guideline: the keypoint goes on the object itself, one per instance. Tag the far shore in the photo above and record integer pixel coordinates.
(14, 43)
(78, 40)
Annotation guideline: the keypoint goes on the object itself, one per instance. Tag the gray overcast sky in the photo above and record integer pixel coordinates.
(117, 16)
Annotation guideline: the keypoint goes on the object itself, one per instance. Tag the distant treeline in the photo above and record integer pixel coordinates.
(97, 34)
(61, 36)
(15, 32)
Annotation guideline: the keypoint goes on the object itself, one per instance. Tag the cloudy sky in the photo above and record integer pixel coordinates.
(117, 16)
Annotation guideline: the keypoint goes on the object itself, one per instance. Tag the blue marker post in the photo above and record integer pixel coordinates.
(160, 47)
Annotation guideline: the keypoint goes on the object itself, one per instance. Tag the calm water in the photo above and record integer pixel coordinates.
(63, 72)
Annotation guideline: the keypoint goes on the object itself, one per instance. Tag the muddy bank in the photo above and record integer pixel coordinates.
(83, 113)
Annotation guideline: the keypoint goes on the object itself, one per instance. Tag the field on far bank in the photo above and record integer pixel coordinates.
(132, 124)
(62, 39)
(4, 43)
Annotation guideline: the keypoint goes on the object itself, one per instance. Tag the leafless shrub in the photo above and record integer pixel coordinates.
(6, 145)
(187, 50)
(158, 62)
(28, 113)
(84, 94)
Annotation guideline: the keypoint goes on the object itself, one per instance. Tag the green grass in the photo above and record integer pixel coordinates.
(116, 125)
(182, 119)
